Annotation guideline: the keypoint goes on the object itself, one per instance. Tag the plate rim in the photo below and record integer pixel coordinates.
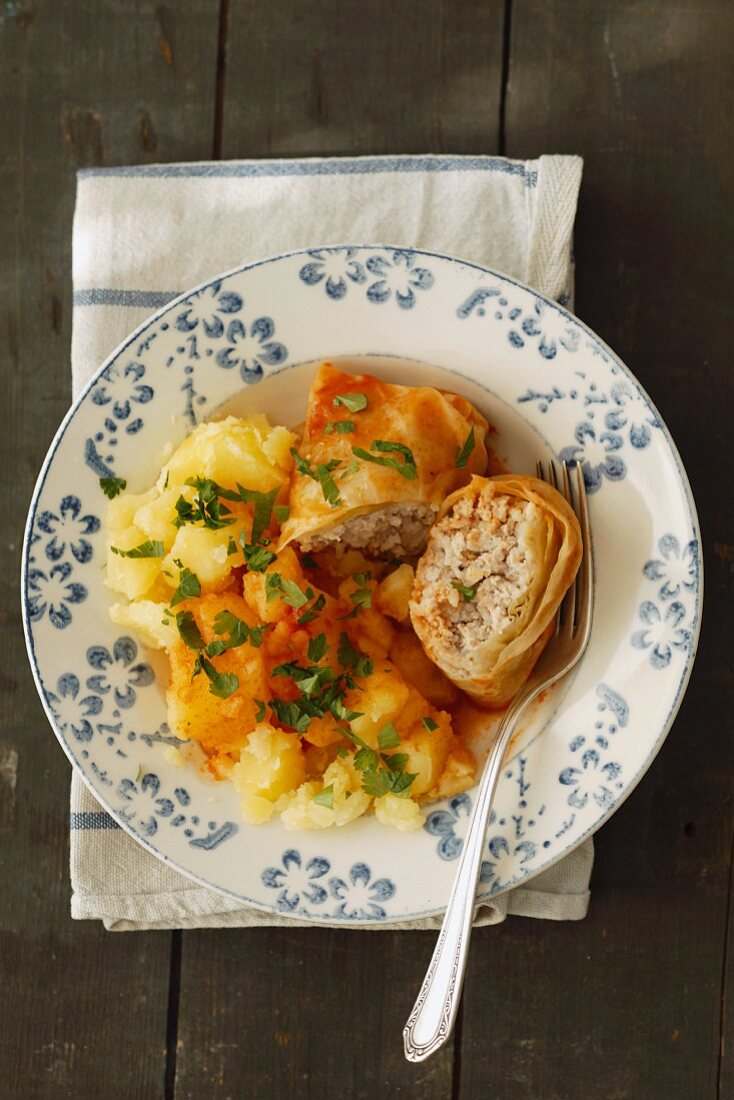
(563, 311)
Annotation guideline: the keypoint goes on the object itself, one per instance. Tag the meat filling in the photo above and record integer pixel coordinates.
(477, 573)
(398, 531)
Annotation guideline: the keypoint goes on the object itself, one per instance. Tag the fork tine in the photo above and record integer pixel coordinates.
(586, 582)
(539, 470)
(553, 475)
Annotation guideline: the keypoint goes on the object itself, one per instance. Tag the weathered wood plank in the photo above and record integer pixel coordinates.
(314, 1012)
(283, 1013)
(81, 83)
(354, 78)
(627, 1004)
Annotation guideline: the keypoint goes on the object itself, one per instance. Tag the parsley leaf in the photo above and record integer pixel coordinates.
(282, 511)
(112, 486)
(188, 586)
(292, 715)
(325, 797)
(226, 622)
(206, 508)
(222, 684)
(292, 594)
(263, 509)
(343, 427)
(317, 648)
(360, 597)
(188, 630)
(260, 710)
(355, 402)
(312, 612)
(463, 453)
(258, 558)
(321, 475)
(429, 724)
(288, 590)
(352, 658)
(407, 469)
(388, 737)
(467, 593)
(147, 549)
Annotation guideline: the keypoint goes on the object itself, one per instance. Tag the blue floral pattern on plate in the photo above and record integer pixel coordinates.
(389, 274)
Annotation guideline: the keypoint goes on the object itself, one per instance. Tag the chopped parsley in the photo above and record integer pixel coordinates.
(239, 632)
(260, 710)
(388, 737)
(188, 586)
(407, 468)
(312, 612)
(343, 427)
(231, 547)
(206, 508)
(361, 597)
(325, 797)
(288, 590)
(282, 511)
(467, 593)
(147, 549)
(381, 773)
(322, 475)
(222, 684)
(258, 557)
(317, 647)
(462, 453)
(112, 486)
(355, 402)
(352, 658)
(188, 630)
(263, 509)
(429, 723)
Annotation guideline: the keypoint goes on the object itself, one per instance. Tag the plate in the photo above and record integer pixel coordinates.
(249, 341)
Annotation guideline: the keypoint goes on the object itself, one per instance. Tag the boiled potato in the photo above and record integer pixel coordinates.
(131, 576)
(349, 801)
(255, 586)
(156, 516)
(121, 509)
(234, 451)
(459, 773)
(399, 813)
(384, 696)
(408, 654)
(146, 618)
(393, 593)
(204, 552)
(270, 765)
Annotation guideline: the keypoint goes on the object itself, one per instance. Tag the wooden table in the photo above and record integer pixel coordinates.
(628, 1005)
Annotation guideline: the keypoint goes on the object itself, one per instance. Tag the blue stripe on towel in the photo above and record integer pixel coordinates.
(359, 167)
(98, 296)
(97, 820)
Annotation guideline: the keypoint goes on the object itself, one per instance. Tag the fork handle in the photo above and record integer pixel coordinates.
(434, 1012)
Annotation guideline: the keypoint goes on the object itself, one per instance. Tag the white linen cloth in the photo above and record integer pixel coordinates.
(143, 235)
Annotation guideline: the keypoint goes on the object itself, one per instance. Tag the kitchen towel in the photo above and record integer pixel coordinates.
(144, 234)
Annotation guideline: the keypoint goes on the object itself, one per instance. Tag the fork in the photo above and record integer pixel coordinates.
(434, 1012)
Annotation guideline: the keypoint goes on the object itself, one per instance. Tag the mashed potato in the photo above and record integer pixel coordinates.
(297, 676)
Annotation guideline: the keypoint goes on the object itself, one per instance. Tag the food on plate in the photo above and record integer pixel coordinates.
(502, 555)
(376, 462)
(295, 673)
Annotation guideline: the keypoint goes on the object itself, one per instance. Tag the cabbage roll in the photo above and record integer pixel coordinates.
(502, 555)
(377, 461)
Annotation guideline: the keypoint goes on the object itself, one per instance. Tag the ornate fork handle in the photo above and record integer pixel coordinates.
(434, 1012)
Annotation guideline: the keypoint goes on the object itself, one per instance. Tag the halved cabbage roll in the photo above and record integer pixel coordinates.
(377, 461)
(500, 558)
